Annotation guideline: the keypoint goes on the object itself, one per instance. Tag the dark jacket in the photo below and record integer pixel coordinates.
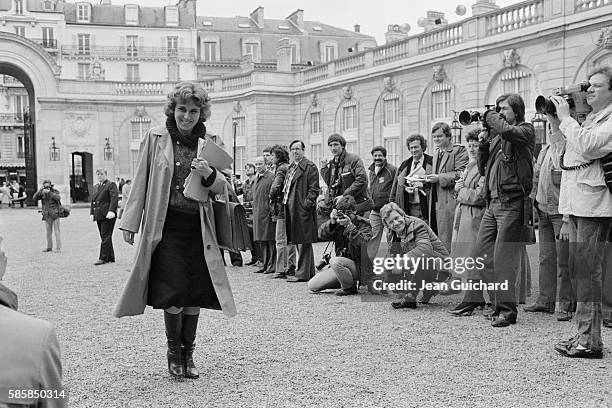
(264, 229)
(302, 218)
(419, 241)
(354, 179)
(515, 170)
(104, 199)
(397, 189)
(353, 239)
(276, 191)
(381, 183)
(50, 203)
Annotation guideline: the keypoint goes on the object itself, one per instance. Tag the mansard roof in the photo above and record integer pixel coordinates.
(114, 15)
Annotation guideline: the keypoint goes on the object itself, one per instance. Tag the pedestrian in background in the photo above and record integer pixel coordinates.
(104, 203)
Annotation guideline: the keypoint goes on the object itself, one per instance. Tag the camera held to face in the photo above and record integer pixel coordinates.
(575, 95)
(467, 117)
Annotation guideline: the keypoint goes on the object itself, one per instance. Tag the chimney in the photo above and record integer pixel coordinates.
(395, 32)
(257, 16)
(483, 6)
(435, 19)
(283, 56)
(105, 2)
(357, 28)
(297, 18)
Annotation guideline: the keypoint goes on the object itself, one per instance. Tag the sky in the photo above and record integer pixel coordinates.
(373, 16)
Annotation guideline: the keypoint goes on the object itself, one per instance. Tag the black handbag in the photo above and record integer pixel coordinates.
(230, 224)
(63, 211)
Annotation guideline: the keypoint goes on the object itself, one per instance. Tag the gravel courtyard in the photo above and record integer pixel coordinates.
(286, 347)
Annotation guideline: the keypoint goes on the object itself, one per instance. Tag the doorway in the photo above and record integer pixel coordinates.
(81, 176)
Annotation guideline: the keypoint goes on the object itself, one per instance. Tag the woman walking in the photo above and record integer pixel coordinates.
(51, 204)
(178, 266)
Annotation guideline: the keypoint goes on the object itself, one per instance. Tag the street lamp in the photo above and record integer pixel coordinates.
(456, 129)
(234, 131)
(108, 150)
(54, 151)
(539, 123)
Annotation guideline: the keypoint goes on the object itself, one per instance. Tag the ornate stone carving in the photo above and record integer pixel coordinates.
(314, 100)
(605, 38)
(511, 58)
(347, 92)
(97, 72)
(237, 107)
(79, 125)
(439, 75)
(389, 83)
(140, 111)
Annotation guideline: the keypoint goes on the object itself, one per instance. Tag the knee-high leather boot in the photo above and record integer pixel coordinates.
(190, 325)
(174, 323)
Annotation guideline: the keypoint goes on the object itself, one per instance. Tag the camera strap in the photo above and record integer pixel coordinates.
(571, 168)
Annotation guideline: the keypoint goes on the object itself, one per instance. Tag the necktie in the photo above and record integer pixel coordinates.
(415, 165)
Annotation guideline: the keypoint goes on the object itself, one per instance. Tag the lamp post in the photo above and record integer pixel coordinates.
(234, 131)
(456, 129)
(54, 151)
(539, 123)
(108, 150)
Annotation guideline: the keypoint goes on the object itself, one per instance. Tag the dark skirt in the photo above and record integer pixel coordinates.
(179, 275)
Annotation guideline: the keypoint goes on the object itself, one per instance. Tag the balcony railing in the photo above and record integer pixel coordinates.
(237, 82)
(6, 118)
(47, 43)
(390, 52)
(140, 88)
(442, 38)
(350, 64)
(127, 53)
(582, 5)
(515, 17)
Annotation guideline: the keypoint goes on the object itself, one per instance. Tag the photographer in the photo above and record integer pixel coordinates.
(51, 203)
(505, 158)
(345, 174)
(351, 234)
(586, 205)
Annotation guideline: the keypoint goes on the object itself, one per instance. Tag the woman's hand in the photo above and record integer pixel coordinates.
(201, 167)
(128, 237)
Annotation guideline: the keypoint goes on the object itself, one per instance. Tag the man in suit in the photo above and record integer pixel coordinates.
(300, 193)
(30, 355)
(411, 196)
(264, 229)
(449, 161)
(103, 210)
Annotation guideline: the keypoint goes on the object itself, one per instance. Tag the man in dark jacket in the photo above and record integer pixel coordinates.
(300, 193)
(382, 176)
(351, 234)
(505, 158)
(104, 202)
(345, 174)
(264, 229)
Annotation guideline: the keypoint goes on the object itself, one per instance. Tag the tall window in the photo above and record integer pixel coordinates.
(172, 46)
(83, 71)
(517, 81)
(82, 13)
(349, 116)
(18, 6)
(47, 33)
(240, 159)
(133, 73)
(391, 110)
(20, 30)
(315, 122)
(392, 144)
(131, 42)
(20, 147)
(253, 49)
(330, 53)
(441, 101)
(316, 153)
(294, 54)
(83, 44)
(209, 52)
(139, 126)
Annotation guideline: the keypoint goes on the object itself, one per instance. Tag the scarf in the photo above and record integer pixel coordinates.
(191, 140)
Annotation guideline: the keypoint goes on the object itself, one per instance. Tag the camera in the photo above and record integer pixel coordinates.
(467, 117)
(575, 95)
(323, 262)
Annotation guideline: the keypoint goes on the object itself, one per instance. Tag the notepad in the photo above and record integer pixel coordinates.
(217, 158)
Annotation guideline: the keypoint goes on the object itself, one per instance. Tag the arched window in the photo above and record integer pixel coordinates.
(441, 101)
(517, 81)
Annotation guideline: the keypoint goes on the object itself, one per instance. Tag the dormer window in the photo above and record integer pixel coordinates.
(172, 16)
(48, 5)
(131, 14)
(18, 6)
(83, 12)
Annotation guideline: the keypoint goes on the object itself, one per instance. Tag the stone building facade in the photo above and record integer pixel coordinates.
(373, 95)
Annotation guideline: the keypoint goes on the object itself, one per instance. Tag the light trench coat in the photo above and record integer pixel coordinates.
(151, 193)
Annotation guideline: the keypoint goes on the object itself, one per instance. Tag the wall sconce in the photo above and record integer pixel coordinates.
(54, 151)
(108, 150)
(456, 129)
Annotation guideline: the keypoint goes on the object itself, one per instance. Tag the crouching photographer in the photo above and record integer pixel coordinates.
(350, 234)
(586, 204)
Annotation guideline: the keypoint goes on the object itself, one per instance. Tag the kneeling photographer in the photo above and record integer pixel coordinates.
(350, 234)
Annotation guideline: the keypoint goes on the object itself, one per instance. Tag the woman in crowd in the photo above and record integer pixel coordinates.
(178, 266)
(411, 237)
(51, 204)
(469, 210)
(285, 253)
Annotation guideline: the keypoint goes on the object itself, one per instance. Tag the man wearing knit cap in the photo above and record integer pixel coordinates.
(345, 174)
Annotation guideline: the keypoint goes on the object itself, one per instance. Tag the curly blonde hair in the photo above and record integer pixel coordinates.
(188, 91)
(387, 209)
